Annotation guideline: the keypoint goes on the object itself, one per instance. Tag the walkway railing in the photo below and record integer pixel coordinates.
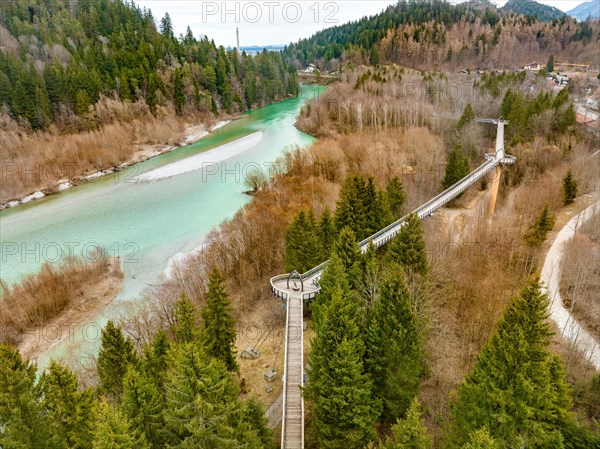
(383, 236)
(292, 435)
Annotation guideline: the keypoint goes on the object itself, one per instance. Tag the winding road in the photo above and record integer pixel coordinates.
(550, 277)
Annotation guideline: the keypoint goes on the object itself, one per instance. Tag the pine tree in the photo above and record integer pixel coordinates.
(142, 405)
(457, 167)
(69, 411)
(550, 64)
(376, 210)
(166, 26)
(302, 243)
(467, 117)
(517, 388)
(218, 325)
(408, 247)
(115, 355)
(346, 248)
(22, 423)
(155, 358)
(344, 408)
(254, 416)
(202, 407)
(334, 277)
(327, 233)
(410, 433)
(350, 210)
(185, 328)
(396, 197)
(539, 230)
(393, 347)
(569, 188)
(481, 440)
(178, 92)
(112, 430)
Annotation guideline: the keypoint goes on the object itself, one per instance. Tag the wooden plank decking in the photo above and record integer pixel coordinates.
(293, 404)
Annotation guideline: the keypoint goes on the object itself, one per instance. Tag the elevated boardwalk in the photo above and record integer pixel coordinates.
(292, 433)
(286, 287)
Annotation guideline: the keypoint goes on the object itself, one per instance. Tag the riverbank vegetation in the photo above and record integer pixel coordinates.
(44, 307)
(68, 71)
(473, 276)
(180, 392)
(451, 294)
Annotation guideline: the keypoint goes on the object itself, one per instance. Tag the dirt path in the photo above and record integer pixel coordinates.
(550, 276)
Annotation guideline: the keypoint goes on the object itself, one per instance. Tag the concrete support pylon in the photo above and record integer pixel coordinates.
(499, 155)
(494, 190)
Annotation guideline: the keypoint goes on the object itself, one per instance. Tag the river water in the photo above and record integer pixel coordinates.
(153, 210)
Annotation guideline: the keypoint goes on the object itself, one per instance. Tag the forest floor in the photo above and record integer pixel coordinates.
(92, 298)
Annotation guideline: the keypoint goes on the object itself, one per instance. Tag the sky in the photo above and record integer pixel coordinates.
(272, 22)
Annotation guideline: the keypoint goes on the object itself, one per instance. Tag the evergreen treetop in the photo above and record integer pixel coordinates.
(517, 388)
(218, 324)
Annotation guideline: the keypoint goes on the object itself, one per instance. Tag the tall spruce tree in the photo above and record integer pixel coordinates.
(69, 410)
(341, 392)
(327, 233)
(411, 432)
(467, 117)
(393, 347)
(254, 416)
(376, 209)
(569, 188)
(186, 327)
(550, 64)
(408, 247)
(396, 197)
(346, 248)
(334, 277)
(218, 325)
(115, 356)
(517, 388)
(457, 167)
(155, 358)
(22, 422)
(539, 230)
(112, 429)
(191, 374)
(351, 210)
(302, 243)
(202, 408)
(142, 405)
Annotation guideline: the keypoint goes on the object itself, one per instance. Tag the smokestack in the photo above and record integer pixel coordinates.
(237, 33)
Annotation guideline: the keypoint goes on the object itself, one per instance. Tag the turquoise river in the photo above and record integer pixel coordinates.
(147, 223)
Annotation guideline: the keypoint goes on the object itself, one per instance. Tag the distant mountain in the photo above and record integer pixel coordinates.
(259, 48)
(532, 8)
(585, 10)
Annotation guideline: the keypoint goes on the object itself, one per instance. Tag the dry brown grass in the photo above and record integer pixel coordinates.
(40, 297)
(473, 281)
(37, 161)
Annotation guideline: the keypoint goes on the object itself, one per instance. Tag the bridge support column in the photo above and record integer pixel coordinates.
(494, 190)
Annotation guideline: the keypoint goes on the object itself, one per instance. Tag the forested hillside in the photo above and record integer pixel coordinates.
(438, 34)
(534, 9)
(57, 60)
